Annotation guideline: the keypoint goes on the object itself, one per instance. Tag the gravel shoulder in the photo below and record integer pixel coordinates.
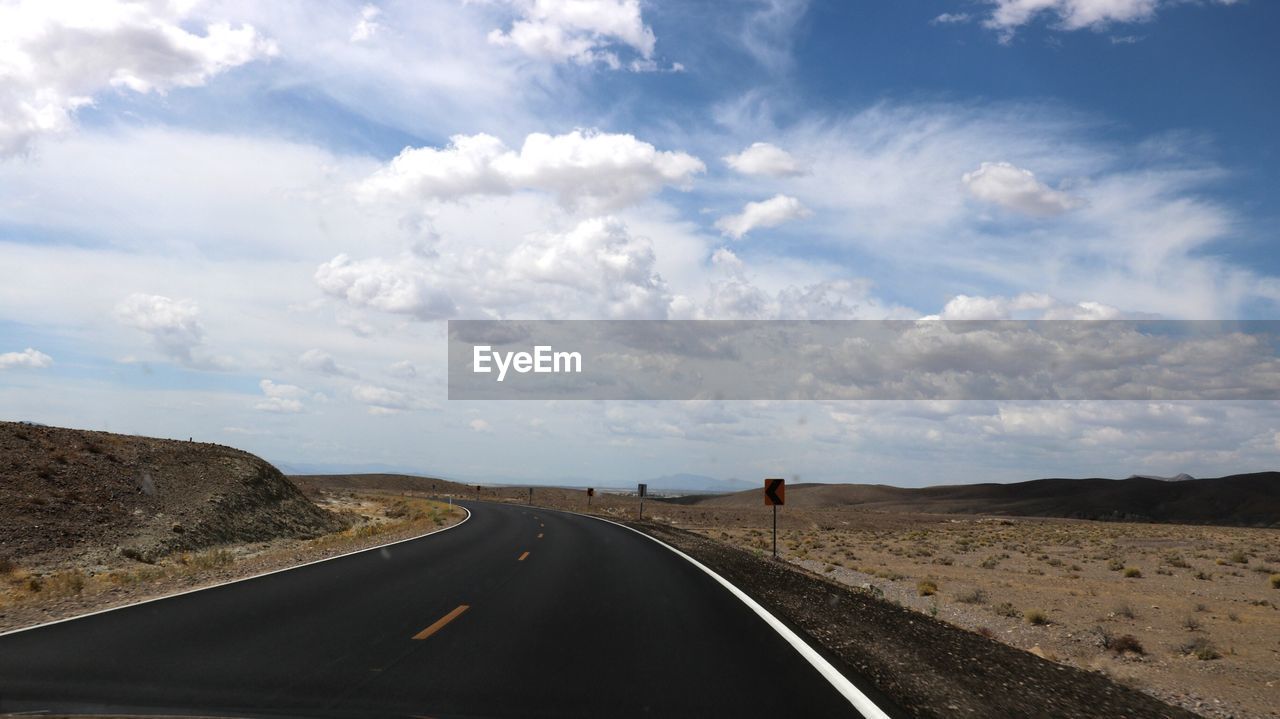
(928, 667)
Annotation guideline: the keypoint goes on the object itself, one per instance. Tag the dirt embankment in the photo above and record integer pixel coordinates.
(77, 496)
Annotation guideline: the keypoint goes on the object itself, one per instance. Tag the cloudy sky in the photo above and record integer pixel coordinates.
(247, 222)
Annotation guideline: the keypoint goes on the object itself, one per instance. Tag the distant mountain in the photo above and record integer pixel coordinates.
(1241, 499)
(696, 483)
(1181, 477)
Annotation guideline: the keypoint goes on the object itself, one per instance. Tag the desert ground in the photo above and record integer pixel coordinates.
(1190, 614)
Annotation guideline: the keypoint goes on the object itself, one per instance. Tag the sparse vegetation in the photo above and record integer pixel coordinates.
(1132, 573)
(1035, 617)
(1127, 644)
(1275, 581)
(926, 588)
(209, 559)
(65, 583)
(1201, 648)
(972, 596)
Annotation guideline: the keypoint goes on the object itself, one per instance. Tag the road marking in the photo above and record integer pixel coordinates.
(237, 581)
(861, 702)
(442, 621)
(522, 556)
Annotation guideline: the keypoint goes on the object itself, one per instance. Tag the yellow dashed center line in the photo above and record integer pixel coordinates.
(522, 556)
(442, 621)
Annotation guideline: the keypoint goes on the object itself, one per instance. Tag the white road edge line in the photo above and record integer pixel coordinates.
(237, 581)
(860, 701)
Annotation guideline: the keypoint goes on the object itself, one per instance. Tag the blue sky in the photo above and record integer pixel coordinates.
(247, 222)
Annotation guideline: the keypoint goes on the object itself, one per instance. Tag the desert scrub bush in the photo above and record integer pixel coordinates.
(926, 588)
(1132, 573)
(1191, 624)
(1204, 576)
(993, 561)
(1125, 610)
(1115, 565)
(1239, 557)
(1005, 609)
(1035, 617)
(1201, 649)
(1127, 644)
(1176, 560)
(67, 583)
(210, 559)
(972, 596)
(1275, 581)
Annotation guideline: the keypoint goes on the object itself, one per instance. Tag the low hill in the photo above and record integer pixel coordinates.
(1240, 500)
(379, 482)
(69, 491)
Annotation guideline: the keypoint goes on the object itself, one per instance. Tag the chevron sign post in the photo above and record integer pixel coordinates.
(775, 494)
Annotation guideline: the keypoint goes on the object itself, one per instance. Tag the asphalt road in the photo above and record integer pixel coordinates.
(594, 621)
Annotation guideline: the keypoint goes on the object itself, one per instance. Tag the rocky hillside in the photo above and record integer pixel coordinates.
(75, 493)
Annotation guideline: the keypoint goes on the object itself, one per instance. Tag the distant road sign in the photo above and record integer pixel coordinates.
(591, 491)
(775, 492)
(644, 490)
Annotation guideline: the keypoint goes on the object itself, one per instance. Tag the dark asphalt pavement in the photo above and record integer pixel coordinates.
(596, 621)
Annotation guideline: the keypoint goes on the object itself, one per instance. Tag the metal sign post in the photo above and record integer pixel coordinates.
(643, 490)
(531, 495)
(477, 492)
(775, 494)
(591, 492)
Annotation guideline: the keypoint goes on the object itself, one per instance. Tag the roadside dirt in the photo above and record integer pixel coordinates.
(930, 668)
(65, 588)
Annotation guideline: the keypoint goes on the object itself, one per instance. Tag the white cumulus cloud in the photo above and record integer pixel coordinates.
(174, 325)
(1008, 15)
(598, 261)
(30, 358)
(367, 26)
(1014, 188)
(1028, 305)
(600, 170)
(597, 268)
(381, 400)
(766, 213)
(319, 361)
(281, 398)
(56, 55)
(762, 158)
(580, 31)
(401, 286)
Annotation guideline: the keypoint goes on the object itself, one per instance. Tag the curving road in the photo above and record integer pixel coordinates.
(518, 612)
